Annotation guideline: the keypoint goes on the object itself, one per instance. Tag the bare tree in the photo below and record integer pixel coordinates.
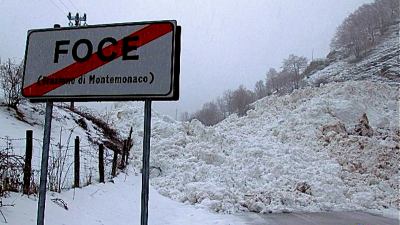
(209, 114)
(225, 103)
(294, 66)
(185, 116)
(11, 81)
(289, 78)
(271, 83)
(286, 81)
(222, 106)
(242, 98)
(237, 101)
(388, 12)
(360, 30)
(260, 89)
(350, 35)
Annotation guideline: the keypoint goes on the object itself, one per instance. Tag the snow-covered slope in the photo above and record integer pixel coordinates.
(66, 125)
(291, 153)
(382, 63)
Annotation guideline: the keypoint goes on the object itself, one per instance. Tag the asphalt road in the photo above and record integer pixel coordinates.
(321, 218)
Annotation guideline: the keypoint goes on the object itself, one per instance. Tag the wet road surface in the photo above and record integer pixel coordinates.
(320, 218)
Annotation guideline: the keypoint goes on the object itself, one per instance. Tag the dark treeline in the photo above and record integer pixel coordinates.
(360, 31)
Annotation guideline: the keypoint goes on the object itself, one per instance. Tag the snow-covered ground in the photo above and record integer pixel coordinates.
(285, 155)
(115, 203)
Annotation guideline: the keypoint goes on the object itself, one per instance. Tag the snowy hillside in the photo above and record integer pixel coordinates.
(292, 153)
(66, 125)
(382, 63)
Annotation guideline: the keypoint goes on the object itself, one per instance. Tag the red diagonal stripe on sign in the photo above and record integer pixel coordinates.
(77, 69)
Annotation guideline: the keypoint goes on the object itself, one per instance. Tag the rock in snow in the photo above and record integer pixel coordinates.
(363, 128)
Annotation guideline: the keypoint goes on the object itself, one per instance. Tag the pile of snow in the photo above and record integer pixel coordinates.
(291, 153)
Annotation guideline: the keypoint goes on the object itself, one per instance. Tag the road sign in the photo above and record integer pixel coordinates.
(129, 61)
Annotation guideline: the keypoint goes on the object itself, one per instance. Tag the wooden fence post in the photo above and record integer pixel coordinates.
(130, 134)
(101, 163)
(127, 154)
(125, 151)
(128, 145)
(114, 164)
(76, 163)
(122, 166)
(28, 162)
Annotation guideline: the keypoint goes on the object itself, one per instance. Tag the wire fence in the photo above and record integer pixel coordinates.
(61, 162)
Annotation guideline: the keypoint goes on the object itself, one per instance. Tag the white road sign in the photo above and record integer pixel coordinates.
(130, 61)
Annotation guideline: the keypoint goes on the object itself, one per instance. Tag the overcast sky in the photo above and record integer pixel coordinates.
(225, 43)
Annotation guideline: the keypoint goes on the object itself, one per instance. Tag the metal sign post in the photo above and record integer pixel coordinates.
(44, 166)
(45, 159)
(146, 162)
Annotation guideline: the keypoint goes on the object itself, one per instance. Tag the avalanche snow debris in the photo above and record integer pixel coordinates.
(291, 153)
